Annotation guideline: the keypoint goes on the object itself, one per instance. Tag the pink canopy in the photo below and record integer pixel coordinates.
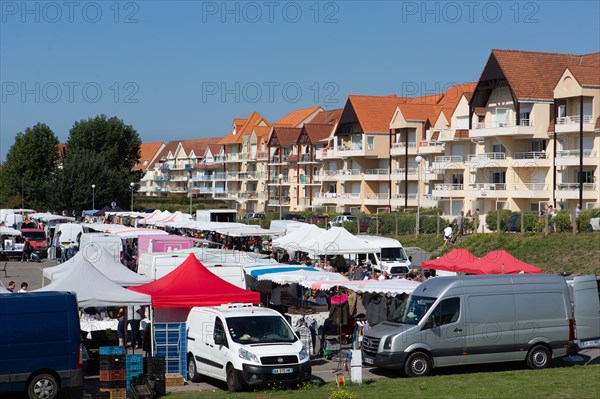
(458, 260)
(501, 262)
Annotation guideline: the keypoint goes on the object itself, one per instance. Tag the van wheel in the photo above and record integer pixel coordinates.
(42, 386)
(192, 370)
(418, 364)
(538, 357)
(233, 384)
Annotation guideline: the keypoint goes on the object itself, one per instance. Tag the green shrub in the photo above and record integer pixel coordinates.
(583, 221)
(492, 217)
(562, 220)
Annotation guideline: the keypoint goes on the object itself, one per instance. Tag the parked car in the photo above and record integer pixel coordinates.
(341, 219)
(365, 222)
(38, 240)
(294, 216)
(595, 222)
(317, 219)
(253, 216)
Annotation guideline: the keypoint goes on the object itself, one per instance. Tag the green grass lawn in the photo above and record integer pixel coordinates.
(554, 253)
(561, 382)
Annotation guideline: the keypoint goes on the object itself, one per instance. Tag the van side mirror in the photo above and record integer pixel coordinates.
(430, 323)
(410, 258)
(219, 338)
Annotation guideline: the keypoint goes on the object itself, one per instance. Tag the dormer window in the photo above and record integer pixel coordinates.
(234, 129)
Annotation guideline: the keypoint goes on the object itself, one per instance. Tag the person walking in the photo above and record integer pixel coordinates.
(26, 254)
(12, 286)
(459, 223)
(135, 316)
(476, 220)
(24, 286)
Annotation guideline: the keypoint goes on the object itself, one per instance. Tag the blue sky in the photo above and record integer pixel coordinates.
(180, 70)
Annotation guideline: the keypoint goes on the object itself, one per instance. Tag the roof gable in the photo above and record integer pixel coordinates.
(299, 117)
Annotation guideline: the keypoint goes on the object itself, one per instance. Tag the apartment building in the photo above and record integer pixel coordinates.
(524, 135)
(532, 137)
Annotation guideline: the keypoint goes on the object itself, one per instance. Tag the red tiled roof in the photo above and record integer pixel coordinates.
(246, 127)
(551, 125)
(586, 75)
(435, 135)
(215, 148)
(317, 132)
(262, 132)
(534, 75)
(148, 152)
(198, 145)
(453, 95)
(286, 135)
(461, 134)
(170, 146)
(479, 111)
(297, 117)
(419, 112)
(62, 150)
(374, 113)
(332, 117)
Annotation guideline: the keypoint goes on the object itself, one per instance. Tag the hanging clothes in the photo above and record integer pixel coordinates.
(375, 305)
(339, 313)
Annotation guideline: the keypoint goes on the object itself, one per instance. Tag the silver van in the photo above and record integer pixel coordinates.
(450, 321)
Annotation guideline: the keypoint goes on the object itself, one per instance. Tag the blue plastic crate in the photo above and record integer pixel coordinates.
(112, 350)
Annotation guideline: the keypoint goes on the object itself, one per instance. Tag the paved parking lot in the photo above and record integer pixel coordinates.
(323, 370)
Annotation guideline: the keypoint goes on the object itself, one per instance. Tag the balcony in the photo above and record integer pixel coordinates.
(178, 190)
(279, 160)
(305, 158)
(400, 173)
(447, 190)
(347, 174)
(431, 147)
(252, 195)
(488, 160)
(400, 149)
(342, 151)
(276, 181)
(531, 159)
(279, 201)
(444, 162)
(341, 199)
(531, 190)
(376, 198)
(571, 158)
(316, 180)
(570, 124)
(487, 190)
(226, 195)
(402, 199)
(377, 174)
(508, 128)
(566, 191)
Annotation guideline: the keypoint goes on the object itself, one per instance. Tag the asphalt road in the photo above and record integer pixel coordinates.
(323, 370)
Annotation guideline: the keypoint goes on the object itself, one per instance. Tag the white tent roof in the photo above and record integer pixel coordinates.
(9, 231)
(122, 231)
(95, 289)
(247, 231)
(336, 241)
(157, 218)
(291, 242)
(102, 260)
(304, 277)
(177, 217)
(393, 286)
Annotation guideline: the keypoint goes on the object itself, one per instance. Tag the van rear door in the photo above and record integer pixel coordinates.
(586, 305)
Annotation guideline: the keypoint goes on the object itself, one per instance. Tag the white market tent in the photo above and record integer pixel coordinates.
(291, 242)
(157, 218)
(94, 289)
(122, 231)
(336, 241)
(203, 225)
(393, 286)
(156, 214)
(177, 217)
(102, 260)
(247, 231)
(303, 277)
(9, 231)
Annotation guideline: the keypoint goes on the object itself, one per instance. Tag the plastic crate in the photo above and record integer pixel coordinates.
(112, 362)
(113, 384)
(116, 393)
(112, 375)
(155, 365)
(135, 360)
(96, 395)
(174, 380)
(112, 350)
(144, 391)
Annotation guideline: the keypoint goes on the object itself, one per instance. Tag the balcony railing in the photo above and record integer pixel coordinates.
(486, 156)
(278, 201)
(574, 153)
(306, 158)
(531, 155)
(381, 171)
(566, 120)
(575, 186)
(377, 196)
(449, 187)
(403, 145)
(448, 158)
(401, 196)
(401, 171)
(431, 143)
(496, 124)
(251, 195)
(487, 186)
(348, 172)
(530, 186)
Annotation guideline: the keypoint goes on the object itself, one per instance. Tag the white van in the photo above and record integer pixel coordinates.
(392, 257)
(69, 233)
(111, 242)
(244, 345)
(156, 266)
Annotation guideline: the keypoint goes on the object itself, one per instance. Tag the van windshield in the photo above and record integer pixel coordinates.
(35, 235)
(259, 329)
(416, 307)
(393, 254)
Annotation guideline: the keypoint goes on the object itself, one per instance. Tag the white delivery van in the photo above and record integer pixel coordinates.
(451, 321)
(69, 233)
(156, 266)
(244, 345)
(392, 257)
(111, 242)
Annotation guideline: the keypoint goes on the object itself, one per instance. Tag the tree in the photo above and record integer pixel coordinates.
(29, 165)
(100, 151)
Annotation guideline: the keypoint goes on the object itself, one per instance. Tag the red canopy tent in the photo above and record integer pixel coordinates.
(458, 260)
(192, 284)
(501, 262)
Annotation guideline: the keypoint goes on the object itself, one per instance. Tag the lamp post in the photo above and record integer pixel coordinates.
(190, 183)
(418, 160)
(132, 185)
(93, 197)
(280, 194)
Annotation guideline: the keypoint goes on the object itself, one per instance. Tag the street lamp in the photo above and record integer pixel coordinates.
(132, 185)
(93, 197)
(418, 160)
(280, 194)
(190, 183)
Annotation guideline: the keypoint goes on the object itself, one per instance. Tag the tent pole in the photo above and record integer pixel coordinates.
(151, 330)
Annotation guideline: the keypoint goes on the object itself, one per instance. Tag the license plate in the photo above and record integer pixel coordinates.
(590, 344)
(283, 371)
(368, 360)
